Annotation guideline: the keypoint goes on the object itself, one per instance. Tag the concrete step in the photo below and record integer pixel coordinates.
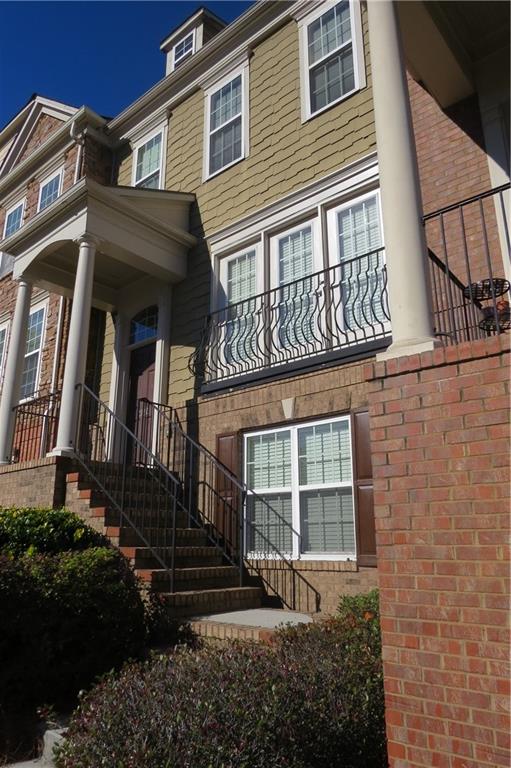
(196, 602)
(191, 579)
(257, 624)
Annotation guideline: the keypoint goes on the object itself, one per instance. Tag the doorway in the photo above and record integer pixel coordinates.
(139, 419)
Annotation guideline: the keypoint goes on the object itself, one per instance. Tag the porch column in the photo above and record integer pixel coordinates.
(405, 245)
(14, 368)
(76, 356)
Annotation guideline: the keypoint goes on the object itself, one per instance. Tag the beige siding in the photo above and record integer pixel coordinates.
(284, 155)
(108, 356)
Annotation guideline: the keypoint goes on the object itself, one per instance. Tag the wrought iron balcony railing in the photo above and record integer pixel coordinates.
(327, 315)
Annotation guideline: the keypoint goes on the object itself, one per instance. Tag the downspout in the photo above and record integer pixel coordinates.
(79, 138)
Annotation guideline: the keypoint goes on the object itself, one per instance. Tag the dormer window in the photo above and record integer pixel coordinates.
(184, 49)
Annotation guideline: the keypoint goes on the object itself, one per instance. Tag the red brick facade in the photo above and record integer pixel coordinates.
(440, 437)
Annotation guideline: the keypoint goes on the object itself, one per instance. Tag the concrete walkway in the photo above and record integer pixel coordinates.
(266, 618)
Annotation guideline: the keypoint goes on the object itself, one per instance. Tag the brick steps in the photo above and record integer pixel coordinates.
(219, 631)
(193, 578)
(204, 583)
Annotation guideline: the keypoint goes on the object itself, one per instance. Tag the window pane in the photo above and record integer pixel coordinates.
(324, 453)
(225, 146)
(144, 325)
(3, 337)
(34, 331)
(183, 49)
(332, 79)
(226, 103)
(269, 460)
(327, 33)
(296, 305)
(29, 375)
(49, 192)
(148, 160)
(265, 528)
(241, 319)
(295, 255)
(363, 276)
(13, 221)
(327, 521)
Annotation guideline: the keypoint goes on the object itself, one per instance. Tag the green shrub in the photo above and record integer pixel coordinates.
(313, 699)
(31, 531)
(65, 619)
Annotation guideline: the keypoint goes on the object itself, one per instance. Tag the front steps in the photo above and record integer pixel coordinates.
(204, 583)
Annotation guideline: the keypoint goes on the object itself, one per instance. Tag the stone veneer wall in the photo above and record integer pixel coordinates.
(440, 447)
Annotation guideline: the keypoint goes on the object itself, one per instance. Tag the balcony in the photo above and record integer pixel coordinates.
(339, 312)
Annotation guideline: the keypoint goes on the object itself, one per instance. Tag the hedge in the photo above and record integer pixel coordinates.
(32, 531)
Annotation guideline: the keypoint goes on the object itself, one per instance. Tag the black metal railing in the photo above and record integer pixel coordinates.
(35, 427)
(151, 427)
(245, 522)
(143, 494)
(469, 243)
(318, 317)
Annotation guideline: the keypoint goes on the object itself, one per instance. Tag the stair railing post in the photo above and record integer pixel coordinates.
(241, 520)
(173, 549)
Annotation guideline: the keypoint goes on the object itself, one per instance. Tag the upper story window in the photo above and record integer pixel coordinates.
(183, 49)
(34, 345)
(332, 60)
(14, 219)
(50, 189)
(226, 123)
(148, 163)
(3, 349)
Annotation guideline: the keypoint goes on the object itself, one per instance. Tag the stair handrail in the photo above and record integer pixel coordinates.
(120, 438)
(245, 492)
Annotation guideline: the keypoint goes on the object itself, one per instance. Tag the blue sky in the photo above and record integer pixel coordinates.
(103, 54)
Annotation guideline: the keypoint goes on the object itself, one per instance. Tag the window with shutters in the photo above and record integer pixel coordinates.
(331, 54)
(305, 473)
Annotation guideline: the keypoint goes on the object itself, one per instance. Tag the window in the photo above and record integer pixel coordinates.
(304, 473)
(331, 55)
(144, 325)
(14, 219)
(356, 241)
(226, 123)
(184, 49)
(148, 163)
(31, 365)
(240, 316)
(50, 190)
(3, 350)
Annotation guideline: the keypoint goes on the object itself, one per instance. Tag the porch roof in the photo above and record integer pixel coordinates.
(140, 232)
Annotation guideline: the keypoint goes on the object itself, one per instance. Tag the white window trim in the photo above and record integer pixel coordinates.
(245, 119)
(10, 210)
(163, 156)
(4, 326)
(181, 40)
(295, 489)
(46, 181)
(33, 309)
(358, 56)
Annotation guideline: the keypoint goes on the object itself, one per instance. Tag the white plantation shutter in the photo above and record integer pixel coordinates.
(266, 527)
(324, 453)
(241, 277)
(269, 460)
(359, 229)
(295, 255)
(327, 521)
(296, 262)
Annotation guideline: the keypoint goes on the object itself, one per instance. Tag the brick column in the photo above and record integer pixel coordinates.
(440, 449)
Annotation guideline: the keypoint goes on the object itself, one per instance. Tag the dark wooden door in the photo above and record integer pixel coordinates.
(141, 385)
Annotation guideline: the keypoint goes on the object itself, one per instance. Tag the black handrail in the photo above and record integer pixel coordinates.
(146, 495)
(222, 500)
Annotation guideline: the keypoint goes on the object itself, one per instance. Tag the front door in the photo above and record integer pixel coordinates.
(141, 385)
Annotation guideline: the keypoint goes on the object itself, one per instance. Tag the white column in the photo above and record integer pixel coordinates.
(13, 369)
(405, 246)
(76, 356)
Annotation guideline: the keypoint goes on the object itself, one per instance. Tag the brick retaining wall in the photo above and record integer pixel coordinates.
(440, 437)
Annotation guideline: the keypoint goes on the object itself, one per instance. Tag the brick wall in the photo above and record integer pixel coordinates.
(453, 166)
(38, 483)
(440, 436)
(97, 161)
(46, 125)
